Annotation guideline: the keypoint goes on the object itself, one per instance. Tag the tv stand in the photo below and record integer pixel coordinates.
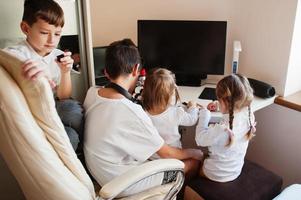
(189, 79)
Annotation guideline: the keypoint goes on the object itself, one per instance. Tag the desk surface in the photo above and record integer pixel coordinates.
(192, 94)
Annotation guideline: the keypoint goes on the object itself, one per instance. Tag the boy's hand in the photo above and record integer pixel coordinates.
(52, 83)
(66, 62)
(31, 70)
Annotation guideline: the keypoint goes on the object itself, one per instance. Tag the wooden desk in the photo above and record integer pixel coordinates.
(292, 101)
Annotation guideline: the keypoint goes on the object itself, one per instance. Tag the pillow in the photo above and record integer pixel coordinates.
(33, 141)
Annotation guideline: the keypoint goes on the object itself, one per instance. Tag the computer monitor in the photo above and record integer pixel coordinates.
(99, 54)
(191, 49)
(70, 43)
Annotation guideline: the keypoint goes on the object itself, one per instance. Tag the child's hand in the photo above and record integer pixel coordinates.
(191, 104)
(213, 106)
(65, 63)
(229, 132)
(31, 70)
(196, 154)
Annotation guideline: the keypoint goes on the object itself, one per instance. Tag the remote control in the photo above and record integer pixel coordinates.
(59, 57)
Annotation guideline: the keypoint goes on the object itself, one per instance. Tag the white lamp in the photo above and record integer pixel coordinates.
(236, 50)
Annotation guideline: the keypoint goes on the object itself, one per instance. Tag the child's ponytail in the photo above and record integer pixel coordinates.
(250, 133)
(231, 118)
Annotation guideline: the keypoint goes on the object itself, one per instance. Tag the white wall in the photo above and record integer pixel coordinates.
(265, 28)
(114, 20)
(10, 18)
(293, 82)
(277, 142)
(71, 17)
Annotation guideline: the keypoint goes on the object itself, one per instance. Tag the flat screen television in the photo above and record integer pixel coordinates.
(191, 49)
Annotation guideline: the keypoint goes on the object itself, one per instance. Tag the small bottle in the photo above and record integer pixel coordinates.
(139, 85)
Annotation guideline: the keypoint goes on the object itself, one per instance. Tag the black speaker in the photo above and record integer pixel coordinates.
(262, 89)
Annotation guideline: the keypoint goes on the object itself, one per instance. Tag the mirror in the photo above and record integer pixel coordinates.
(75, 38)
(72, 37)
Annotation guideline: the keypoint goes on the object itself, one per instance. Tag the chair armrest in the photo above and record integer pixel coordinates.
(132, 176)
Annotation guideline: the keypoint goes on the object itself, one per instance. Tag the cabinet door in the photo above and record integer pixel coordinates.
(188, 136)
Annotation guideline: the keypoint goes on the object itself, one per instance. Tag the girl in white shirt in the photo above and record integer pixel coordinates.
(228, 140)
(159, 99)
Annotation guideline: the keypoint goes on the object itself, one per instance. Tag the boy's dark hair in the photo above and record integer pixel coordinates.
(47, 10)
(121, 57)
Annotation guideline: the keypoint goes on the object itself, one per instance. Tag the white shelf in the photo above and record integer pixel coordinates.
(192, 94)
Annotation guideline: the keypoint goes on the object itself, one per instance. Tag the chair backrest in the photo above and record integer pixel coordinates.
(33, 141)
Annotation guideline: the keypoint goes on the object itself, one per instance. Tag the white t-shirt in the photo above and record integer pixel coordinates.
(24, 51)
(168, 122)
(224, 163)
(118, 136)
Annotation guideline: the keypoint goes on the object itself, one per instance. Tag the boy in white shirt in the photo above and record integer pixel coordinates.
(42, 24)
(118, 133)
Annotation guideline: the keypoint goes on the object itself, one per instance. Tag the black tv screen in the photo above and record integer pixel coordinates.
(191, 49)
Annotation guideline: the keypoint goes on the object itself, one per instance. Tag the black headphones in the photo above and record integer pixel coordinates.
(120, 90)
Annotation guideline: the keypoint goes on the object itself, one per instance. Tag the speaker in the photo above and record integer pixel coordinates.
(262, 89)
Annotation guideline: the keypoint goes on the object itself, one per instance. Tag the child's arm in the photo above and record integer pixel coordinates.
(32, 71)
(189, 117)
(208, 136)
(167, 151)
(65, 88)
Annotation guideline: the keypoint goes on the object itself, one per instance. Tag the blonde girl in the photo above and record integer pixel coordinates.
(160, 100)
(228, 140)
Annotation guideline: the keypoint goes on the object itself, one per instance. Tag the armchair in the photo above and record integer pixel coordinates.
(36, 148)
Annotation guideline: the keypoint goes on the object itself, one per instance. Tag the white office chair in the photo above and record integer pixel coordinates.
(291, 192)
(37, 150)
